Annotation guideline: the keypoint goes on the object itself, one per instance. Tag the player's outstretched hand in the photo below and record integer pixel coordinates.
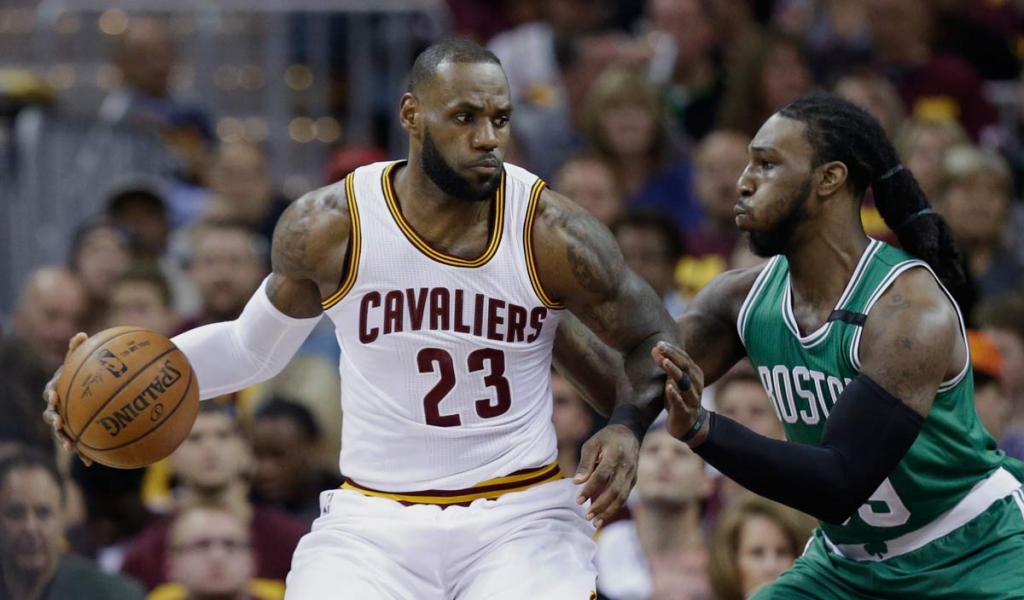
(608, 471)
(683, 387)
(50, 415)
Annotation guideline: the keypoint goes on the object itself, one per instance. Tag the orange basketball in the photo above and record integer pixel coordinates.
(128, 397)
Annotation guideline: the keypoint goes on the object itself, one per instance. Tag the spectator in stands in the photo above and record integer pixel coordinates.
(100, 251)
(139, 206)
(1001, 318)
(33, 562)
(754, 541)
(990, 397)
(114, 513)
(50, 310)
(719, 160)
(740, 396)
(141, 297)
(836, 31)
(976, 203)
(210, 555)
(147, 55)
(213, 466)
(683, 41)
(573, 420)
(590, 182)
(922, 144)
(932, 84)
(623, 121)
(875, 94)
(243, 190)
(227, 264)
(652, 246)
(661, 552)
(770, 71)
(288, 475)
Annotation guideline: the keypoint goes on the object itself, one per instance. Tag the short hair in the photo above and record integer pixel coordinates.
(279, 408)
(82, 233)
(965, 160)
(147, 272)
(1004, 311)
(31, 458)
(174, 529)
(725, 540)
(450, 50)
(659, 222)
(135, 191)
(258, 244)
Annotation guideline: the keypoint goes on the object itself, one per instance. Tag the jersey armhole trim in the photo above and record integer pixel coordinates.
(748, 302)
(895, 272)
(355, 241)
(531, 262)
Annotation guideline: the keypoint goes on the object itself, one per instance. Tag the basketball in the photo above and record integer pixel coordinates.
(128, 397)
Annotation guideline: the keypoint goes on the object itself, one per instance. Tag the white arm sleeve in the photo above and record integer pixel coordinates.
(227, 357)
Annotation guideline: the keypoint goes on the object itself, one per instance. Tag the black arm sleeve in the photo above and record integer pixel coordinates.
(867, 434)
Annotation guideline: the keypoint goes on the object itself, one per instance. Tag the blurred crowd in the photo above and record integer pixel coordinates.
(640, 111)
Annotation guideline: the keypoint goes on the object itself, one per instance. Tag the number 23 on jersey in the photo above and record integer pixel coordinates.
(487, 360)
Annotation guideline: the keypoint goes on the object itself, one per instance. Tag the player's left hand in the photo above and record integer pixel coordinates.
(608, 461)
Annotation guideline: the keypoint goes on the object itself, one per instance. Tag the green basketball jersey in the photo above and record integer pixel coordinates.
(805, 374)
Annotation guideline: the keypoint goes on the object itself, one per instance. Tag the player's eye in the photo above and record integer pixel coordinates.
(464, 118)
(767, 165)
(501, 122)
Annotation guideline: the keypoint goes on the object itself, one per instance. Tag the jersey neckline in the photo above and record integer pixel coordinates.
(498, 225)
(821, 333)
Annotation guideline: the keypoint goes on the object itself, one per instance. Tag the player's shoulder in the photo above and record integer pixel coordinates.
(727, 292)
(312, 229)
(914, 295)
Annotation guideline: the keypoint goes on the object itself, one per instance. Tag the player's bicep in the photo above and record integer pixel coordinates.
(583, 268)
(308, 252)
(910, 340)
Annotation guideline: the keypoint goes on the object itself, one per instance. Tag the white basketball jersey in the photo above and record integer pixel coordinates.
(445, 363)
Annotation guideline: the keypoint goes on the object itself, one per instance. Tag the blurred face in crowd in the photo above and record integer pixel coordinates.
(647, 253)
(282, 452)
(214, 455)
(227, 269)
(720, 161)
(149, 222)
(575, 15)
(785, 76)
(140, 304)
(629, 128)
(147, 57)
(103, 255)
(1011, 347)
(459, 121)
(211, 555)
(924, 158)
(50, 312)
(763, 553)
(897, 27)
(686, 22)
(747, 403)
(240, 177)
(570, 415)
(669, 473)
(976, 206)
(591, 184)
(31, 521)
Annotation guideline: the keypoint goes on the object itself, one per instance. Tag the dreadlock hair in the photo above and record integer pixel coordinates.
(840, 131)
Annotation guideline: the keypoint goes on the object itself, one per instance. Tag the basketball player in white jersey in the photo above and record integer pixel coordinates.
(447, 276)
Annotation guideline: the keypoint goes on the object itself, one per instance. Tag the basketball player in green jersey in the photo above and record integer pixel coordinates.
(862, 350)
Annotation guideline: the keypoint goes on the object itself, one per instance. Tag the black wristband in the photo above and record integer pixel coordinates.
(702, 419)
(632, 417)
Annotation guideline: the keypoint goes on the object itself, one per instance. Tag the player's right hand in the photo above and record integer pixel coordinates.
(50, 415)
(683, 387)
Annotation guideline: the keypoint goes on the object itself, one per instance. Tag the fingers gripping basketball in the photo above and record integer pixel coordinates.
(128, 397)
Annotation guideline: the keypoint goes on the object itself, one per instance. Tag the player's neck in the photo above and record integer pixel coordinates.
(665, 528)
(436, 216)
(823, 263)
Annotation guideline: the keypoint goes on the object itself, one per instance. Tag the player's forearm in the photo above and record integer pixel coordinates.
(865, 437)
(230, 356)
(592, 367)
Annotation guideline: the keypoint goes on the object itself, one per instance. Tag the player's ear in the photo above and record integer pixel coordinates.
(409, 114)
(833, 178)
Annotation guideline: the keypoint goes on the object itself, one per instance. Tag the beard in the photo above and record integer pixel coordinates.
(777, 240)
(448, 181)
